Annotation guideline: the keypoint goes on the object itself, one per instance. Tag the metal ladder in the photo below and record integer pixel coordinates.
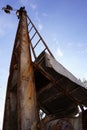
(36, 40)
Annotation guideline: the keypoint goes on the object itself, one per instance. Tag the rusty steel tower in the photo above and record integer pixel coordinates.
(21, 107)
(37, 81)
(21, 112)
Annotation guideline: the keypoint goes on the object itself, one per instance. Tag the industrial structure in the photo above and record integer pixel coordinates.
(38, 82)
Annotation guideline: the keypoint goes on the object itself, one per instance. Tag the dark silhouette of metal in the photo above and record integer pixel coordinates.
(7, 9)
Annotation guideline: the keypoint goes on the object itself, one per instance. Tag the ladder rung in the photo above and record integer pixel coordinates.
(36, 43)
(33, 35)
(40, 38)
(30, 29)
(28, 23)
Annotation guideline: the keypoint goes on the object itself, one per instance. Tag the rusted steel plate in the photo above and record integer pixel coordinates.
(59, 124)
(57, 88)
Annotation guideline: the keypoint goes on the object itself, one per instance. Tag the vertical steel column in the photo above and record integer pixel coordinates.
(27, 105)
(84, 120)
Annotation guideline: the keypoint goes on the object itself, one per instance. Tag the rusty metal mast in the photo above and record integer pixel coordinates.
(56, 88)
(21, 112)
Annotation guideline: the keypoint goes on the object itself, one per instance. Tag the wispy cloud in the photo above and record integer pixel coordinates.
(69, 44)
(80, 44)
(40, 26)
(76, 44)
(82, 51)
(45, 14)
(24, 2)
(37, 17)
(29, 3)
(82, 48)
(59, 53)
(5, 25)
(2, 26)
(33, 6)
(55, 40)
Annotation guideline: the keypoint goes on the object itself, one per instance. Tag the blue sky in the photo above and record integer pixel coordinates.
(62, 24)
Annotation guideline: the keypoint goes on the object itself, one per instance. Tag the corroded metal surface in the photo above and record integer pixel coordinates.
(21, 112)
(27, 107)
(59, 124)
(59, 92)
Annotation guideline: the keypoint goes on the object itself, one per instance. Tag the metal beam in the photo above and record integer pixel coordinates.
(55, 84)
(26, 93)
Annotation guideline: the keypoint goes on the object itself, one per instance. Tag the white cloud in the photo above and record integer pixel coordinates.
(2, 26)
(83, 51)
(80, 44)
(37, 17)
(29, 4)
(23, 2)
(55, 40)
(69, 44)
(59, 53)
(5, 25)
(40, 26)
(33, 6)
(45, 14)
